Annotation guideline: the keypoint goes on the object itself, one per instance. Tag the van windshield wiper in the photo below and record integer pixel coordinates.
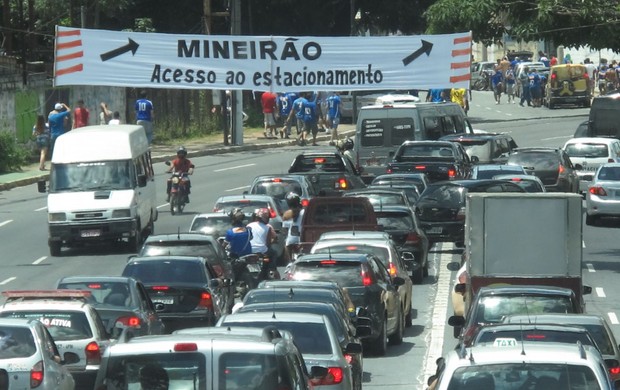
(100, 187)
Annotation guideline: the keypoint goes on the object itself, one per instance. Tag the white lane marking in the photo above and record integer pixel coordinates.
(235, 167)
(163, 205)
(562, 137)
(508, 114)
(440, 310)
(39, 260)
(5, 281)
(237, 189)
(6, 222)
(612, 318)
(583, 244)
(590, 267)
(600, 292)
(41, 208)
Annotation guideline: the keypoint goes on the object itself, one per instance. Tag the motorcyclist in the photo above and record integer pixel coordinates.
(183, 165)
(346, 148)
(238, 236)
(292, 220)
(263, 236)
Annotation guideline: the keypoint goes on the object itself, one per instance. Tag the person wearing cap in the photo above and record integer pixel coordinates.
(58, 120)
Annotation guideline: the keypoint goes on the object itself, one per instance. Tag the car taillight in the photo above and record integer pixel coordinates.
(389, 170)
(600, 191)
(36, 375)
(392, 269)
(413, 237)
(614, 371)
(349, 358)
(304, 202)
(160, 288)
(129, 321)
(334, 376)
(93, 353)
(561, 169)
(272, 213)
(460, 215)
(420, 167)
(185, 347)
(366, 280)
(610, 160)
(451, 173)
(342, 184)
(206, 301)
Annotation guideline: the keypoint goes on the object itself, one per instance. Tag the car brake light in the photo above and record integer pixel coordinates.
(535, 337)
(600, 191)
(36, 375)
(420, 167)
(516, 179)
(366, 280)
(185, 347)
(206, 301)
(392, 269)
(272, 213)
(614, 370)
(413, 237)
(460, 215)
(304, 202)
(94, 286)
(160, 288)
(334, 376)
(319, 160)
(93, 353)
(389, 170)
(276, 180)
(610, 160)
(328, 261)
(561, 169)
(129, 321)
(342, 184)
(349, 358)
(451, 173)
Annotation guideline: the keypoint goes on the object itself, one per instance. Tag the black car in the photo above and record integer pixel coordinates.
(551, 165)
(328, 171)
(485, 148)
(121, 302)
(184, 289)
(345, 331)
(370, 286)
(410, 189)
(194, 244)
(441, 208)
(492, 304)
(404, 228)
(418, 179)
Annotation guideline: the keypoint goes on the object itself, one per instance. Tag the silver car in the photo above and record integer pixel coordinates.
(29, 357)
(315, 337)
(603, 196)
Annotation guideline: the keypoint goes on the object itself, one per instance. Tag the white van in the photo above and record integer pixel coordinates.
(101, 187)
(381, 129)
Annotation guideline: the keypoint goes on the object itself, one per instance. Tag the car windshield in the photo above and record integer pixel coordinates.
(492, 309)
(310, 337)
(588, 150)
(609, 173)
(537, 335)
(92, 176)
(395, 221)
(345, 273)
(166, 271)
(185, 370)
(108, 293)
(524, 375)
(16, 342)
(62, 325)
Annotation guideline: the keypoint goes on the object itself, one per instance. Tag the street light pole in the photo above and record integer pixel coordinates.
(236, 95)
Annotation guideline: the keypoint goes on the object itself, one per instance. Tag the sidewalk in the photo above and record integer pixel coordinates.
(30, 174)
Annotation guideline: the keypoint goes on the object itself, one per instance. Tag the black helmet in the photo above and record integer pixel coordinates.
(236, 215)
(182, 151)
(293, 200)
(348, 144)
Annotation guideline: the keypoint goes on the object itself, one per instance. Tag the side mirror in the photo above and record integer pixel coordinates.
(460, 288)
(168, 163)
(317, 372)
(587, 290)
(70, 358)
(353, 348)
(456, 321)
(41, 187)
(474, 159)
(215, 283)
(245, 192)
(363, 321)
(453, 266)
(141, 180)
(398, 281)
(407, 256)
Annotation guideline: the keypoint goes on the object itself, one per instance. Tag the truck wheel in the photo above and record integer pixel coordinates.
(55, 248)
(397, 337)
(418, 275)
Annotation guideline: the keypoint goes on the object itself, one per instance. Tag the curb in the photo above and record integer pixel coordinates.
(207, 151)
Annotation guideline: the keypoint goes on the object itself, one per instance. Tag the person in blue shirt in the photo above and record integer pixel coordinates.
(58, 121)
(435, 95)
(297, 113)
(333, 116)
(285, 105)
(144, 115)
(535, 88)
(238, 236)
(497, 81)
(310, 119)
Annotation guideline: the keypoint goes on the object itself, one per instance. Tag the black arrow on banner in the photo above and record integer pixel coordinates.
(426, 48)
(131, 46)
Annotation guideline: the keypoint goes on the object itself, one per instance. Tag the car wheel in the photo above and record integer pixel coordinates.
(135, 242)
(418, 275)
(55, 248)
(379, 345)
(409, 318)
(397, 337)
(425, 268)
(590, 220)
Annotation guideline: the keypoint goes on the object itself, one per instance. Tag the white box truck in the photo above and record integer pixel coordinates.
(101, 187)
(523, 238)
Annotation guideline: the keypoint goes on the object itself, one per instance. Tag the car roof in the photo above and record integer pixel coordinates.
(238, 332)
(391, 209)
(47, 305)
(212, 215)
(196, 259)
(571, 319)
(92, 278)
(353, 234)
(521, 176)
(18, 322)
(228, 198)
(376, 242)
(193, 236)
(428, 142)
(595, 140)
(320, 153)
(374, 190)
(341, 257)
(294, 176)
(287, 316)
(299, 283)
(497, 167)
(530, 326)
(524, 289)
(467, 183)
(613, 165)
(535, 149)
(473, 136)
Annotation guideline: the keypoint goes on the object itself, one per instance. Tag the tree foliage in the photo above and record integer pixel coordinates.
(571, 23)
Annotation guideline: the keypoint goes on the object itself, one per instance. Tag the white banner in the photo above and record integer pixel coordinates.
(279, 64)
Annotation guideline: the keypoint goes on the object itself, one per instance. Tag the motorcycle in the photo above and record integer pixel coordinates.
(178, 192)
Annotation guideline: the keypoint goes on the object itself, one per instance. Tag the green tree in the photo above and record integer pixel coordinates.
(570, 23)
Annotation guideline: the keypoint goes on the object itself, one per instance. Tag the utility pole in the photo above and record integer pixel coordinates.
(237, 96)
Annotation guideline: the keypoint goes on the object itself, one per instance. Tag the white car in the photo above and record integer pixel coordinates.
(589, 153)
(29, 357)
(603, 196)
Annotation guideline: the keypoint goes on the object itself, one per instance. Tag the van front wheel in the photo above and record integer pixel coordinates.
(55, 248)
(135, 242)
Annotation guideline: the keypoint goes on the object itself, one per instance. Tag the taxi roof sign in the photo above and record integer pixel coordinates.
(47, 294)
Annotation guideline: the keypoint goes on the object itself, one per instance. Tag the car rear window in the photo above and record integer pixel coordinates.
(422, 151)
(345, 273)
(247, 206)
(492, 309)
(276, 188)
(491, 173)
(539, 335)
(587, 150)
(238, 370)
(310, 337)
(609, 173)
(184, 370)
(216, 226)
(338, 213)
(381, 252)
(179, 248)
(382, 199)
(16, 342)
(479, 147)
(166, 271)
(63, 325)
(538, 160)
(395, 221)
(112, 293)
(451, 194)
(318, 163)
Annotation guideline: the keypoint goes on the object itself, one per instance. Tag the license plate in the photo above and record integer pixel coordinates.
(90, 233)
(165, 301)
(435, 230)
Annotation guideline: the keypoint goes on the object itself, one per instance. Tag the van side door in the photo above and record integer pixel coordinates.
(146, 195)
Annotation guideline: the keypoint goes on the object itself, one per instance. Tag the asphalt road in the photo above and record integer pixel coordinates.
(26, 263)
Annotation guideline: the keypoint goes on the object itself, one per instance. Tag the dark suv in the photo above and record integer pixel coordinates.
(551, 165)
(486, 147)
(370, 287)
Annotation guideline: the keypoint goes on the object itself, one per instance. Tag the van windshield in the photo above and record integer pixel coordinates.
(92, 176)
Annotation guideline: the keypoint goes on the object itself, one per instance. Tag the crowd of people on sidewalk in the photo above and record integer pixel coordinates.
(62, 119)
